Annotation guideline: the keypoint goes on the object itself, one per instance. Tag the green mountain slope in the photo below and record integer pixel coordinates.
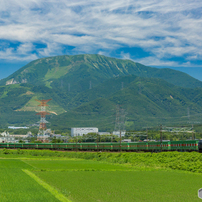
(146, 102)
(74, 73)
(149, 96)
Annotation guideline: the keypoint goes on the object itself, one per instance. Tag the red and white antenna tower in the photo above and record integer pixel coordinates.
(43, 113)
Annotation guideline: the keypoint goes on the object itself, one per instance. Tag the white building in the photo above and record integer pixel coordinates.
(14, 127)
(126, 140)
(5, 137)
(5, 134)
(82, 131)
(118, 133)
(104, 133)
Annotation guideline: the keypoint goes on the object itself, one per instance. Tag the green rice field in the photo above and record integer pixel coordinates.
(41, 178)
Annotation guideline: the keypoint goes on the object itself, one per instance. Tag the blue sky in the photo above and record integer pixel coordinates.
(153, 32)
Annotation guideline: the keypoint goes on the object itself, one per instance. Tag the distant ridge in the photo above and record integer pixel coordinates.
(78, 70)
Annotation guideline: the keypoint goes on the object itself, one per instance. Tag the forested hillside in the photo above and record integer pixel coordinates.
(86, 89)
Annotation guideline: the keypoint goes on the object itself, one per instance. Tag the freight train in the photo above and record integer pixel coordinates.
(184, 145)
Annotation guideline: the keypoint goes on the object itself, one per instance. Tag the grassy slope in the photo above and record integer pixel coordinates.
(18, 105)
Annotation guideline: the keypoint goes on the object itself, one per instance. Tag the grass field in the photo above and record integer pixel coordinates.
(78, 180)
(15, 185)
(123, 186)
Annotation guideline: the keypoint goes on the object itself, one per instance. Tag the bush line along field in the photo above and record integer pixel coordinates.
(171, 160)
(44, 175)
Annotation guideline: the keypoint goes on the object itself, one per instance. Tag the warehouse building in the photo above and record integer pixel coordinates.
(82, 131)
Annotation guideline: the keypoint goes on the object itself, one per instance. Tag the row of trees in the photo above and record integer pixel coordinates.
(134, 136)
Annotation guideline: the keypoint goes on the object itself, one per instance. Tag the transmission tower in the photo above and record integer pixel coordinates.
(117, 123)
(42, 113)
(188, 114)
(122, 119)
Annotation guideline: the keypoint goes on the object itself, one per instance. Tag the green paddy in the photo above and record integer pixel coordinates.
(78, 180)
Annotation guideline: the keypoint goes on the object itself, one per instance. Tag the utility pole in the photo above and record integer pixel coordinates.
(192, 131)
(117, 124)
(120, 120)
(161, 136)
(97, 141)
(90, 85)
(76, 143)
(120, 140)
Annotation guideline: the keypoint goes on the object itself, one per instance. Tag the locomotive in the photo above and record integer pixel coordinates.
(200, 146)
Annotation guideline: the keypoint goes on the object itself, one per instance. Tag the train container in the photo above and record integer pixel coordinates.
(88, 146)
(70, 146)
(137, 146)
(27, 146)
(124, 146)
(142, 146)
(116, 146)
(191, 145)
(184, 145)
(156, 146)
(10, 145)
(18, 145)
(44, 146)
(166, 146)
(59, 146)
(104, 146)
(133, 146)
(3, 145)
(108, 146)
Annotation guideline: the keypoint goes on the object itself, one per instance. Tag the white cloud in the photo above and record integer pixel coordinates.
(125, 55)
(153, 61)
(165, 29)
(11, 54)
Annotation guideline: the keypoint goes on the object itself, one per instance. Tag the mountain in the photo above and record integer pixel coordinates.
(75, 72)
(85, 91)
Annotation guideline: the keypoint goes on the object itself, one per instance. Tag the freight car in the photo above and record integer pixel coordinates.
(184, 145)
